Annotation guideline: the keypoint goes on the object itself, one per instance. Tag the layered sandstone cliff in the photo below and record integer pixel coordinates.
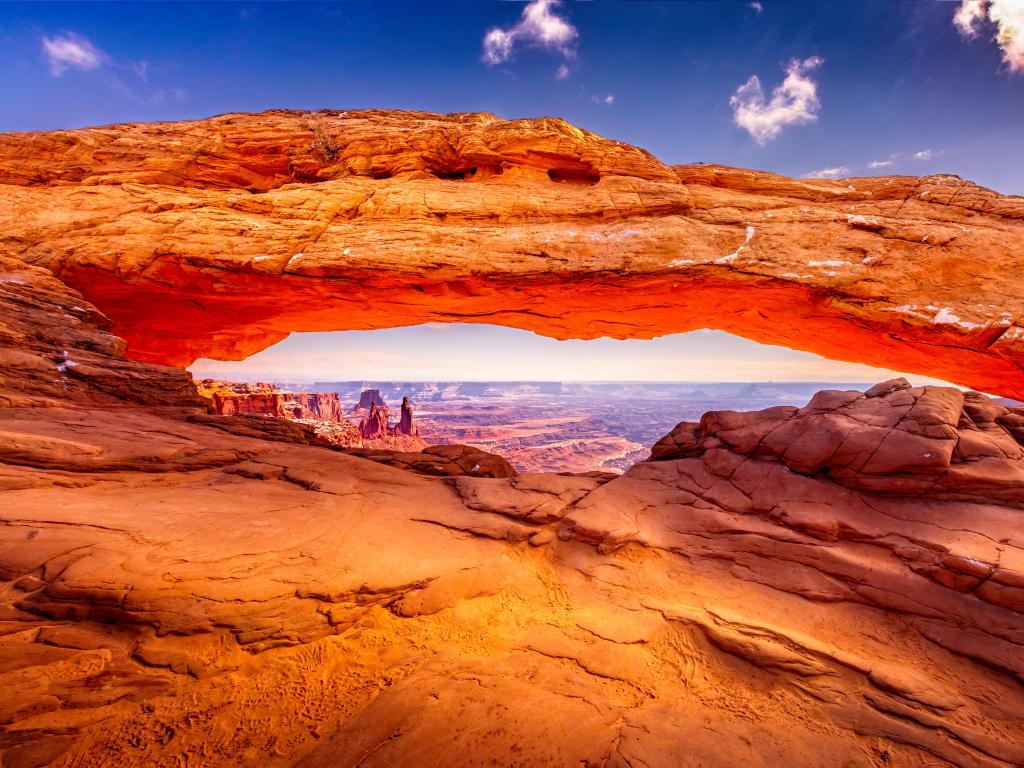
(370, 397)
(216, 238)
(232, 398)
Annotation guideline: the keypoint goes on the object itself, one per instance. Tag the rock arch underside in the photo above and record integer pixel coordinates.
(835, 585)
(217, 238)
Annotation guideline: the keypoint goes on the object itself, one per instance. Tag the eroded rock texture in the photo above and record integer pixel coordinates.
(230, 398)
(216, 238)
(839, 585)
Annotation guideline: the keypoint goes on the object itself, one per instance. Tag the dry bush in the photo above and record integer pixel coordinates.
(322, 145)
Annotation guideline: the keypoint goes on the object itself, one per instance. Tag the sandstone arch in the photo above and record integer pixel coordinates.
(217, 238)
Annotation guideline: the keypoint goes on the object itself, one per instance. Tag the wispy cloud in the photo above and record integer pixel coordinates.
(1006, 17)
(920, 156)
(539, 26)
(130, 79)
(608, 98)
(168, 96)
(828, 173)
(71, 51)
(794, 102)
(562, 72)
(757, 6)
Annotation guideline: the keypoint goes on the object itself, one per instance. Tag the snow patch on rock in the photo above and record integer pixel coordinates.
(732, 256)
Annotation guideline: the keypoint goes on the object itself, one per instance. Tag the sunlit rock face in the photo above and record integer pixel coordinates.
(216, 238)
(56, 347)
(229, 398)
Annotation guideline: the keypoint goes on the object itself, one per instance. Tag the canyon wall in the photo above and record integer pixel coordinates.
(231, 398)
(216, 238)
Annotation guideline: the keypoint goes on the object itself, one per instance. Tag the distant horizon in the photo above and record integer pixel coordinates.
(457, 352)
(276, 379)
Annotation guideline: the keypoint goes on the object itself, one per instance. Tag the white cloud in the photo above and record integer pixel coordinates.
(562, 72)
(925, 154)
(71, 51)
(969, 16)
(794, 102)
(876, 164)
(1008, 18)
(828, 173)
(539, 26)
(608, 99)
(757, 6)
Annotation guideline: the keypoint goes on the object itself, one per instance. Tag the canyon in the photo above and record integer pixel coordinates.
(323, 411)
(836, 584)
(538, 426)
(574, 426)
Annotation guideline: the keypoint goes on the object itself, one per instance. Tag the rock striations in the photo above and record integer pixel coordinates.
(216, 238)
(839, 584)
(835, 585)
(231, 398)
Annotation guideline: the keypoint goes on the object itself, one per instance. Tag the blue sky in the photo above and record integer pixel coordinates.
(896, 84)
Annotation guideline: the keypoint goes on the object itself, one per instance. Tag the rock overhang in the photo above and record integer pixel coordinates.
(217, 238)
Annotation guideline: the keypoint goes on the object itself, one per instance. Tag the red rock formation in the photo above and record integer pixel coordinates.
(443, 460)
(894, 438)
(377, 433)
(237, 398)
(370, 397)
(259, 231)
(405, 425)
(231, 398)
(376, 423)
(56, 346)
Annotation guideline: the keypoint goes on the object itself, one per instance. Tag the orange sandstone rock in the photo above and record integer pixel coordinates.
(216, 238)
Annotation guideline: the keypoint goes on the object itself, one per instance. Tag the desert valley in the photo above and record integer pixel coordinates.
(536, 426)
(337, 568)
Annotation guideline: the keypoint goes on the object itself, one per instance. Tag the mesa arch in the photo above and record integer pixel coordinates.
(216, 238)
